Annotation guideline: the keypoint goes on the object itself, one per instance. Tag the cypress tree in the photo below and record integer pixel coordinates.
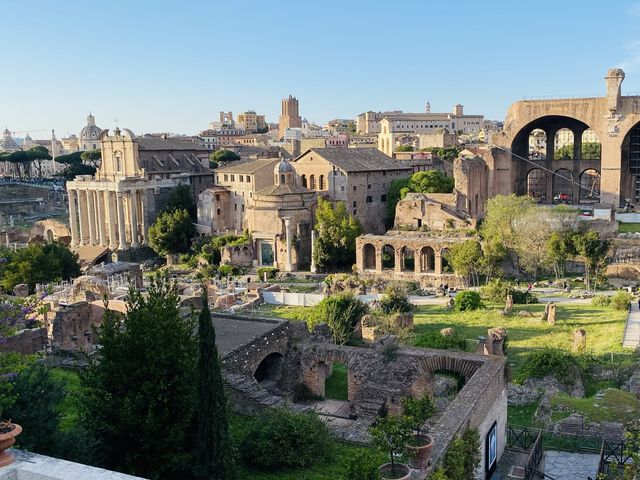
(215, 452)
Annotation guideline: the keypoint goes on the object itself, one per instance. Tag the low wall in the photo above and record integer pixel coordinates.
(27, 341)
(289, 298)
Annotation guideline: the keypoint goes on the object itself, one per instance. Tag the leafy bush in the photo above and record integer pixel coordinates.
(497, 290)
(270, 271)
(620, 300)
(441, 342)
(341, 313)
(463, 456)
(228, 270)
(362, 465)
(468, 300)
(395, 299)
(523, 297)
(601, 300)
(280, 439)
(549, 362)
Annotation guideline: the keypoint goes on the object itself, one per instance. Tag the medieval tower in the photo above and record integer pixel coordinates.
(289, 117)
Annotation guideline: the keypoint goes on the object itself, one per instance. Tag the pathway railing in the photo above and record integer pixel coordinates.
(531, 470)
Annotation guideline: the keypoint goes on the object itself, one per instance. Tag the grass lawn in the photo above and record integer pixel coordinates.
(68, 407)
(604, 327)
(521, 416)
(336, 384)
(628, 227)
(614, 406)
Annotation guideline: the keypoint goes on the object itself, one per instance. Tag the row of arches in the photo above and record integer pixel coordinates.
(567, 144)
(403, 259)
(563, 183)
(311, 183)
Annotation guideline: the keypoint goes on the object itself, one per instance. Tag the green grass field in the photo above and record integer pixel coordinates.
(336, 384)
(604, 327)
(628, 227)
(69, 406)
(614, 406)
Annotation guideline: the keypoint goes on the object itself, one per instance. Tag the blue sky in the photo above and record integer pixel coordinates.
(169, 65)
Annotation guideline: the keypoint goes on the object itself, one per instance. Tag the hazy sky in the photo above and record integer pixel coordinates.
(173, 65)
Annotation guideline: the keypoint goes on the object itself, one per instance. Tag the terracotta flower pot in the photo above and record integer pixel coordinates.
(400, 472)
(6, 441)
(420, 452)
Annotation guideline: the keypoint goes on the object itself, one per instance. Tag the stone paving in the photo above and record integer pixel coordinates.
(570, 466)
(632, 332)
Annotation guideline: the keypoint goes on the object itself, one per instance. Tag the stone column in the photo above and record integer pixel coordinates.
(287, 228)
(83, 217)
(145, 219)
(438, 263)
(102, 237)
(133, 207)
(577, 158)
(551, 150)
(417, 260)
(111, 209)
(91, 217)
(73, 218)
(379, 259)
(123, 244)
(398, 260)
(314, 267)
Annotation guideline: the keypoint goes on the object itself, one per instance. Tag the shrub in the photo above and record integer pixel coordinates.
(228, 270)
(497, 290)
(341, 313)
(280, 439)
(620, 300)
(523, 297)
(441, 342)
(362, 465)
(601, 300)
(463, 456)
(270, 271)
(395, 299)
(549, 362)
(468, 300)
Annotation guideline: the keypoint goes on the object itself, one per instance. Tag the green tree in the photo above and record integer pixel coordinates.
(404, 148)
(335, 246)
(92, 157)
(74, 166)
(181, 198)
(431, 181)
(463, 456)
(171, 233)
(390, 434)
(466, 260)
(215, 452)
(138, 393)
(589, 151)
(37, 263)
(38, 395)
(593, 252)
(23, 159)
(448, 154)
(394, 195)
(222, 157)
(341, 312)
(559, 248)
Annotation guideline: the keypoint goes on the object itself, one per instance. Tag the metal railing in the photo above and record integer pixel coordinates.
(531, 470)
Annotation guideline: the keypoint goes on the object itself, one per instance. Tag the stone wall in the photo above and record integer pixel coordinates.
(27, 341)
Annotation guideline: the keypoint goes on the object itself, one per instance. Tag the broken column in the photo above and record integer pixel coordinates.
(579, 340)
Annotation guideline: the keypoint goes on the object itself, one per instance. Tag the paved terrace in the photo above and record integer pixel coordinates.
(233, 333)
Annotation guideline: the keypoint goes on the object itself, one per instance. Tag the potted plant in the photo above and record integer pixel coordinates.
(8, 433)
(416, 412)
(391, 434)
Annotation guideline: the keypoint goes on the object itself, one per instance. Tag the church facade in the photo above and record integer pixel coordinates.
(114, 208)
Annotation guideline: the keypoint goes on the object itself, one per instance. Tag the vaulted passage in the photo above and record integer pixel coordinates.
(270, 369)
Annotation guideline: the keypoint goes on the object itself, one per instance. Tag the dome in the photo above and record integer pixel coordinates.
(283, 167)
(90, 131)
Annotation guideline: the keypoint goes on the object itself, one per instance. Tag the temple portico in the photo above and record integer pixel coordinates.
(110, 215)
